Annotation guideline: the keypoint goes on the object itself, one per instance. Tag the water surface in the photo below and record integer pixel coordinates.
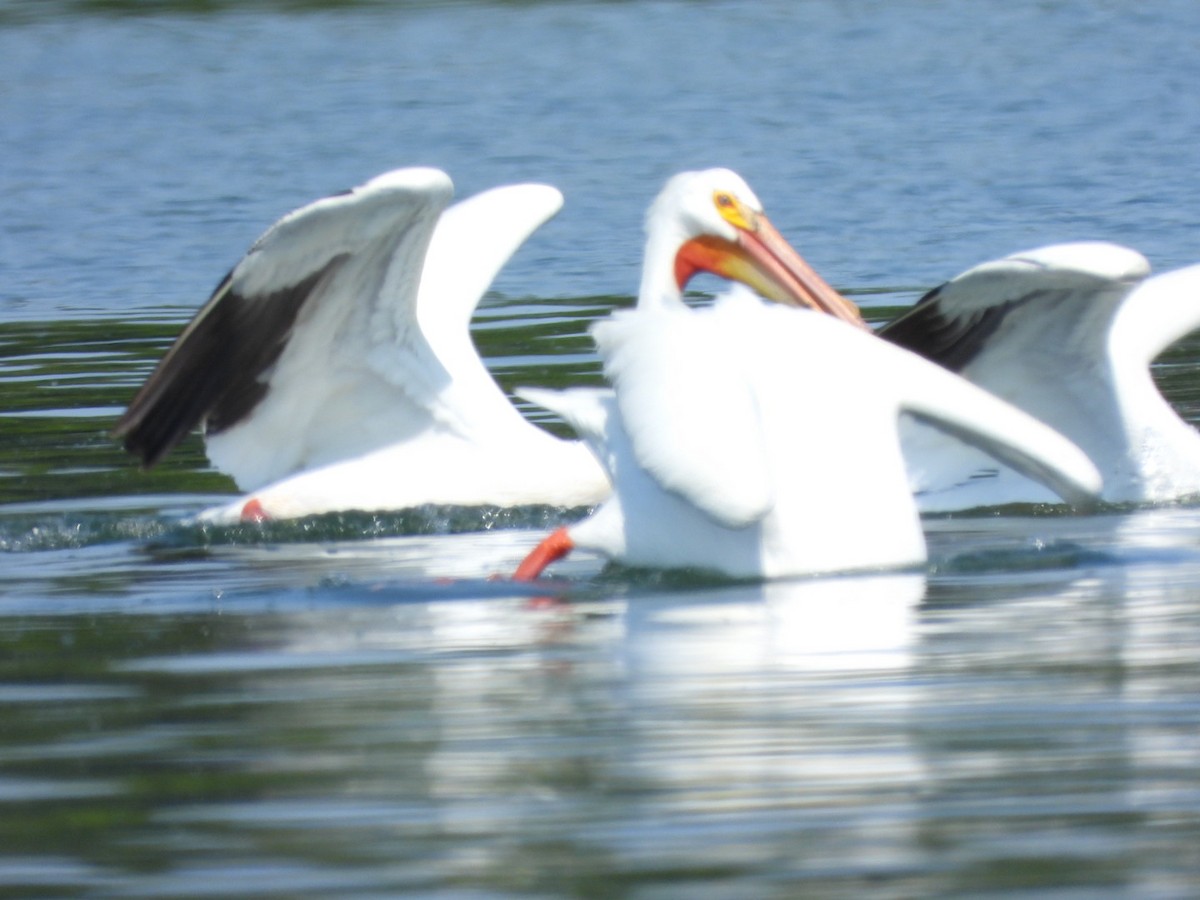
(350, 706)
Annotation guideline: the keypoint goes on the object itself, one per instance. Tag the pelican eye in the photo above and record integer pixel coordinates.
(732, 211)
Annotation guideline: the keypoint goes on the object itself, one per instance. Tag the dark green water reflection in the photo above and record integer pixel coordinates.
(66, 382)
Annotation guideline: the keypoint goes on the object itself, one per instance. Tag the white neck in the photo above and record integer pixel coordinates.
(663, 240)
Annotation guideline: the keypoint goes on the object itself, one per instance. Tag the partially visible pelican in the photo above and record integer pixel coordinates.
(333, 369)
(760, 441)
(1067, 333)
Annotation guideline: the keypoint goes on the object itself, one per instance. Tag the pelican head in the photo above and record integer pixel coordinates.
(711, 221)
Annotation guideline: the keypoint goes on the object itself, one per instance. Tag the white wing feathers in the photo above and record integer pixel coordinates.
(389, 217)
(335, 378)
(1157, 313)
(689, 410)
(418, 338)
(982, 420)
(585, 409)
(318, 271)
(1084, 266)
(493, 225)
(370, 358)
(1065, 294)
(472, 242)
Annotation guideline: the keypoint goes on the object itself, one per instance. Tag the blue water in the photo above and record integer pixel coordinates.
(349, 706)
(895, 143)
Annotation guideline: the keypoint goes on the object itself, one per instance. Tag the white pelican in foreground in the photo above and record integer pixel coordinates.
(333, 368)
(1067, 333)
(761, 441)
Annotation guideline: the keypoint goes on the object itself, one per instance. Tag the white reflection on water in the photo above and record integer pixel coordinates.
(1029, 702)
(691, 642)
(636, 730)
(761, 714)
(863, 623)
(824, 733)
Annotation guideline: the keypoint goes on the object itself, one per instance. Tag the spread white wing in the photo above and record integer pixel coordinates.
(343, 330)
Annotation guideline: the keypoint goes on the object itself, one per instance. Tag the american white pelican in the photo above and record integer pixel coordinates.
(333, 367)
(1067, 333)
(763, 442)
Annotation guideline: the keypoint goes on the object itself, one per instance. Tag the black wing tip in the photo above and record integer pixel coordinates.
(213, 375)
(136, 441)
(144, 431)
(952, 342)
(913, 327)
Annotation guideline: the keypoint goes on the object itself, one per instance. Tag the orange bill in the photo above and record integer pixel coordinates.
(764, 261)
